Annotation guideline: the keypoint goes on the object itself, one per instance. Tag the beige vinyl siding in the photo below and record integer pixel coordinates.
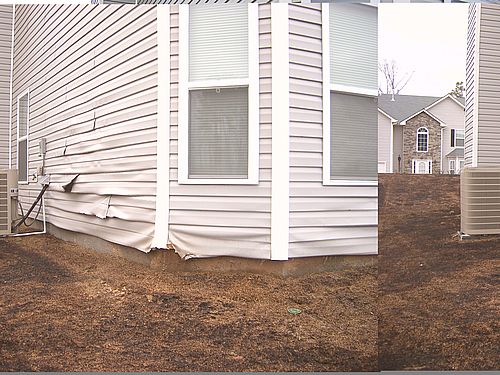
(324, 220)
(453, 115)
(216, 220)
(470, 84)
(5, 64)
(397, 166)
(489, 87)
(384, 141)
(92, 76)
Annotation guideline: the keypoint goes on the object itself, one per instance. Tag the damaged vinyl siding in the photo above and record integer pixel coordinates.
(217, 220)
(5, 64)
(324, 220)
(92, 76)
(488, 153)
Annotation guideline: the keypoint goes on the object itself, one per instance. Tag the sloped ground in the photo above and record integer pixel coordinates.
(439, 299)
(65, 308)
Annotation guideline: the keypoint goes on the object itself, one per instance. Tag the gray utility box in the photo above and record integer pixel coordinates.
(8, 199)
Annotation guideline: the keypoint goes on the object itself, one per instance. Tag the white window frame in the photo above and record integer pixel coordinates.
(252, 82)
(26, 137)
(455, 139)
(328, 87)
(427, 143)
(428, 166)
(450, 169)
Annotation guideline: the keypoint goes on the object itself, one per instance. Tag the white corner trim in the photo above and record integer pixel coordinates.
(252, 82)
(160, 239)
(475, 121)
(441, 151)
(391, 150)
(325, 34)
(280, 191)
(10, 88)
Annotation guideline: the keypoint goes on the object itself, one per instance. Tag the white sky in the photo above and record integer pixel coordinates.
(429, 39)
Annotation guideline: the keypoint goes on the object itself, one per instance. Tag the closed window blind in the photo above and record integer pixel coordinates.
(218, 133)
(218, 41)
(353, 45)
(353, 137)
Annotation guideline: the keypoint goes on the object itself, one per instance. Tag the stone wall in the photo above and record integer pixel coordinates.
(410, 142)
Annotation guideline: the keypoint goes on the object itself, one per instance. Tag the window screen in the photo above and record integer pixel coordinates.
(218, 41)
(218, 133)
(23, 116)
(353, 137)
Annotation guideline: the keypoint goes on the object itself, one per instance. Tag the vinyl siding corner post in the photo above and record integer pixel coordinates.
(325, 40)
(160, 238)
(280, 191)
(475, 121)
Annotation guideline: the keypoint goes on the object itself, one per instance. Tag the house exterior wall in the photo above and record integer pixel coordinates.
(209, 220)
(384, 141)
(324, 220)
(91, 72)
(488, 130)
(453, 115)
(5, 65)
(398, 165)
(410, 142)
(471, 82)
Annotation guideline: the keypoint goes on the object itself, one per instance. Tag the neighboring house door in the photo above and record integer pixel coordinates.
(451, 166)
(422, 166)
(382, 167)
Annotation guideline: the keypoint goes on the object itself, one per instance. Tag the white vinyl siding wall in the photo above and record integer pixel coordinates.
(92, 76)
(5, 64)
(210, 220)
(471, 83)
(324, 220)
(488, 152)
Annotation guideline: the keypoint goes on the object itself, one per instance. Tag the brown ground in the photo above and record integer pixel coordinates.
(439, 304)
(65, 308)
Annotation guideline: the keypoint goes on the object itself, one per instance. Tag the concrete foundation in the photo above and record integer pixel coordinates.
(167, 260)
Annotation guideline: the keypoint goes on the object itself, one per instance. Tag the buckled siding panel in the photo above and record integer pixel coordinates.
(92, 75)
(217, 220)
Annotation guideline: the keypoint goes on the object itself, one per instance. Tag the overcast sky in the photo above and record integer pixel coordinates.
(429, 39)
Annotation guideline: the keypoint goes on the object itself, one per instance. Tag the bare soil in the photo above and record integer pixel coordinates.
(66, 308)
(439, 300)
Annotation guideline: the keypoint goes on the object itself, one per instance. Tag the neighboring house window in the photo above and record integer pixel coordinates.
(421, 166)
(422, 140)
(218, 94)
(452, 167)
(349, 94)
(22, 136)
(461, 165)
(457, 138)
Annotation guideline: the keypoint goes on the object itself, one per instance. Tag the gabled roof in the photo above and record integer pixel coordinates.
(405, 107)
(458, 152)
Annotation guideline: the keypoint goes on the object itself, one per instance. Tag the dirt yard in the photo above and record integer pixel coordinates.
(66, 308)
(439, 299)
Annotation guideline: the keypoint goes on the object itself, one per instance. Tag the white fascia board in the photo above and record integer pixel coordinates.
(280, 191)
(354, 90)
(444, 98)
(160, 239)
(387, 115)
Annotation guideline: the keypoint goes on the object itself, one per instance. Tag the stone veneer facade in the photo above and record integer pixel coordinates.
(410, 142)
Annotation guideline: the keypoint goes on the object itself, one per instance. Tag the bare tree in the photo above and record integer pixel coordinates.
(393, 80)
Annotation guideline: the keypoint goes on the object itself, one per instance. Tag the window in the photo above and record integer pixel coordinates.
(452, 167)
(422, 140)
(457, 138)
(461, 165)
(349, 37)
(22, 136)
(421, 166)
(218, 94)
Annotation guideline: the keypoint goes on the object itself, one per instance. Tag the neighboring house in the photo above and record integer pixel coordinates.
(6, 12)
(420, 134)
(241, 130)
